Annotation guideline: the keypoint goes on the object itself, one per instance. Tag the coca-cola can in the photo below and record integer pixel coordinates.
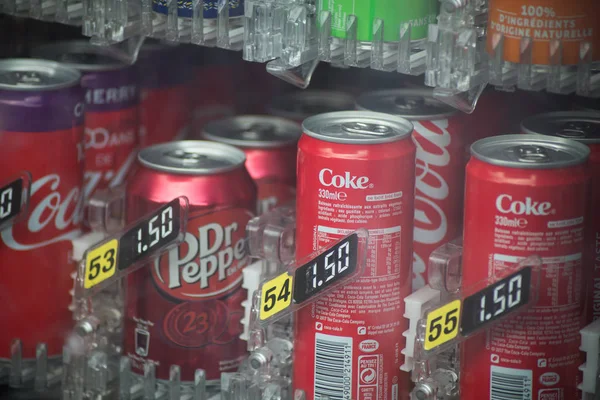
(111, 109)
(41, 131)
(526, 195)
(299, 105)
(356, 169)
(165, 99)
(583, 127)
(441, 140)
(270, 144)
(185, 309)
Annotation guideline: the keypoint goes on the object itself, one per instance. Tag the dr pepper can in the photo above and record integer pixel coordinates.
(584, 128)
(186, 309)
(270, 145)
(356, 169)
(441, 142)
(111, 109)
(41, 131)
(527, 195)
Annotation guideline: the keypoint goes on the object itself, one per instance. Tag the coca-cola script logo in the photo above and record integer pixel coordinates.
(55, 215)
(506, 205)
(209, 263)
(431, 223)
(346, 181)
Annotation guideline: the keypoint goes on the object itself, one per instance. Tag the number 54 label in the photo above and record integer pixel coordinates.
(276, 295)
(442, 325)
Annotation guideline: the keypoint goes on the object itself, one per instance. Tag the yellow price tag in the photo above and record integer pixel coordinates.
(276, 295)
(101, 263)
(442, 325)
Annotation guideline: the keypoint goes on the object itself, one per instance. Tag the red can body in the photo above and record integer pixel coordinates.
(347, 323)
(166, 98)
(41, 131)
(511, 213)
(185, 309)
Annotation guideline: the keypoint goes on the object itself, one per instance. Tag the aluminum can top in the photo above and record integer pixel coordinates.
(253, 131)
(413, 104)
(192, 157)
(83, 55)
(357, 127)
(581, 126)
(304, 104)
(26, 74)
(530, 151)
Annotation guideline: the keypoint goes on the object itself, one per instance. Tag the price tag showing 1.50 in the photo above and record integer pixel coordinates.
(146, 238)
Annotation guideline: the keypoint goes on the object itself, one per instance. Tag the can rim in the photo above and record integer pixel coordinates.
(221, 124)
(72, 75)
(275, 107)
(52, 50)
(238, 158)
(580, 151)
(362, 103)
(560, 115)
(404, 128)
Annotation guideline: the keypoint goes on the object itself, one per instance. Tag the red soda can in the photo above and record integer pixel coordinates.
(111, 109)
(356, 169)
(585, 128)
(299, 105)
(185, 309)
(527, 195)
(441, 140)
(270, 145)
(41, 131)
(165, 99)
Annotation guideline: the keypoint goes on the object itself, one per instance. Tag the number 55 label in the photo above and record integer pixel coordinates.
(442, 325)
(276, 295)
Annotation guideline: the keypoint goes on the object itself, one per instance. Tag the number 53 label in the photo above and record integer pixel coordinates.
(276, 295)
(100, 263)
(442, 325)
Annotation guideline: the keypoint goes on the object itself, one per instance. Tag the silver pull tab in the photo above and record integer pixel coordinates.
(576, 130)
(362, 128)
(409, 103)
(532, 154)
(258, 130)
(186, 157)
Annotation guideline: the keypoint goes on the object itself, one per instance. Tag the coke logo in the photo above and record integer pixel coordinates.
(49, 215)
(506, 205)
(432, 140)
(100, 138)
(346, 181)
(210, 261)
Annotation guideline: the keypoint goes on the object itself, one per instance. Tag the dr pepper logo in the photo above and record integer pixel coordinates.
(209, 263)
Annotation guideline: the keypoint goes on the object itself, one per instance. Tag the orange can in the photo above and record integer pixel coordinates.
(570, 21)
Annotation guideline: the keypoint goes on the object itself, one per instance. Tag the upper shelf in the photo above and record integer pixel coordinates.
(458, 45)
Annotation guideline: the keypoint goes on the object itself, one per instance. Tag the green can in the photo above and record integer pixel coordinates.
(394, 13)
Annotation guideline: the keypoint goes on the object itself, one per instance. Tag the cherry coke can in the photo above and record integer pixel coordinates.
(441, 140)
(299, 105)
(165, 99)
(270, 145)
(356, 169)
(526, 195)
(185, 309)
(111, 109)
(41, 131)
(585, 128)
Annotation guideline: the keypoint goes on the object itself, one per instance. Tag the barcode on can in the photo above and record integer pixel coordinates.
(510, 383)
(333, 367)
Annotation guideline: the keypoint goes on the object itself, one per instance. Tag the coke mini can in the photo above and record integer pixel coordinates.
(165, 99)
(299, 105)
(41, 131)
(111, 109)
(546, 23)
(441, 140)
(356, 169)
(270, 145)
(527, 195)
(185, 309)
(584, 128)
